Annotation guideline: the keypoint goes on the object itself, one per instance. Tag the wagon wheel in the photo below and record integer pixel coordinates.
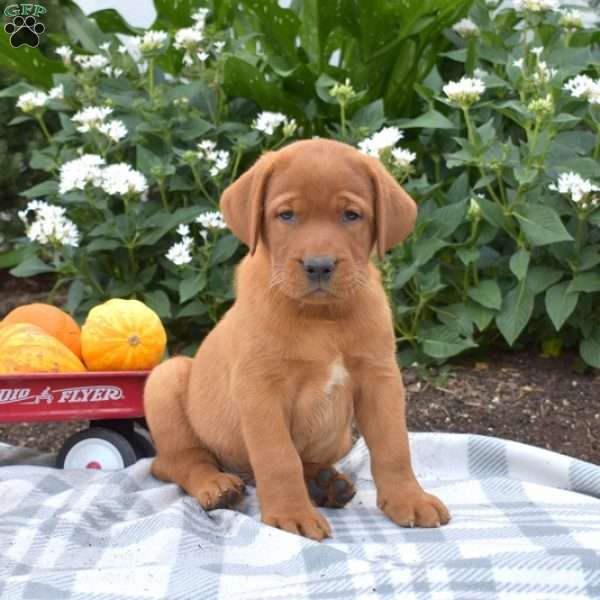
(142, 443)
(96, 448)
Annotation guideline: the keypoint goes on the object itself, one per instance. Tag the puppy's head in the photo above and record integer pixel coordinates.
(319, 207)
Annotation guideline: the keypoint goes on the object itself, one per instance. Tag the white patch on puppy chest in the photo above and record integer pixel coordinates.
(338, 376)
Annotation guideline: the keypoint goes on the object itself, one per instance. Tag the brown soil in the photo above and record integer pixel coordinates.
(518, 396)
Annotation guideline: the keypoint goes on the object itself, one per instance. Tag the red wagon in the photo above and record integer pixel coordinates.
(112, 401)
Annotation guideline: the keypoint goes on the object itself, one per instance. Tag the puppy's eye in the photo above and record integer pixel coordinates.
(350, 215)
(286, 215)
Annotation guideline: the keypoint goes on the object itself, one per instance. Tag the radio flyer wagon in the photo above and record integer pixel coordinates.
(112, 401)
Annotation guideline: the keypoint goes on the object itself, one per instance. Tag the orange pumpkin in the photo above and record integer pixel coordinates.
(52, 320)
(122, 335)
(26, 348)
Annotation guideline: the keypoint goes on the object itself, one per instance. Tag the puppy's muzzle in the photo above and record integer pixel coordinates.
(318, 269)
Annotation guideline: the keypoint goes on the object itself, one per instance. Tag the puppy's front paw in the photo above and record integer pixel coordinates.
(408, 505)
(307, 521)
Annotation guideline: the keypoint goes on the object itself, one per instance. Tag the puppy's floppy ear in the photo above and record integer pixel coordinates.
(242, 202)
(395, 210)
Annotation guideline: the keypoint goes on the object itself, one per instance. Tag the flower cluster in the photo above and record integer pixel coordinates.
(537, 5)
(218, 160)
(50, 224)
(118, 179)
(65, 53)
(577, 188)
(151, 42)
(571, 19)
(466, 91)
(93, 118)
(380, 141)
(584, 87)
(466, 28)
(32, 101)
(267, 122)
(180, 253)
(91, 62)
(212, 220)
(343, 92)
(191, 39)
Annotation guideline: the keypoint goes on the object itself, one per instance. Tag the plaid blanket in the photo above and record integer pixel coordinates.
(526, 524)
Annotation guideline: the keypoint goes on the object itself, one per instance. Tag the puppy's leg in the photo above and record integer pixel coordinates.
(180, 455)
(277, 468)
(380, 413)
(327, 486)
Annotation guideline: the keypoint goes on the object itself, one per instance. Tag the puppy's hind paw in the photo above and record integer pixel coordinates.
(329, 488)
(221, 490)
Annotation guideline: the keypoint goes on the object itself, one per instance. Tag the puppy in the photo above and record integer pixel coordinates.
(308, 345)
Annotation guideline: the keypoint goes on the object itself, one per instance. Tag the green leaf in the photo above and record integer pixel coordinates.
(191, 286)
(585, 282)
(31, 266)
(589, 349)
(442, 342)
(487, 293)
(445, 220)
(516, 311)
(159, 302)
(371, 117)
(541, 224)
(47, 188)
(28, 64)
(193, 309)
(519, 263)
(110, 21)
(75, 295)
(468, 255)
(404, 275)
(430, 120)
(493, 214)
(540, 277)
(14, 257)
(425, 248)
(224, 249)
(480, 315)
(560, 303)
(103, 244)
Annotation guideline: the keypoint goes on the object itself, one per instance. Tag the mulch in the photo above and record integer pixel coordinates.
(520, 396)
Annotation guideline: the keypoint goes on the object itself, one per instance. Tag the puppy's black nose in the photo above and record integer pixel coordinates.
(318, 268)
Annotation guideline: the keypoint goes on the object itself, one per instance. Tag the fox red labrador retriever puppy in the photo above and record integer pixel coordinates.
(308, 345)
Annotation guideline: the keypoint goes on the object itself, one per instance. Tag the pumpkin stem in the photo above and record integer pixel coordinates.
(134, 340)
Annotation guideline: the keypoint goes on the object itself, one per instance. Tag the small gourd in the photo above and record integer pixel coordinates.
(122, 335)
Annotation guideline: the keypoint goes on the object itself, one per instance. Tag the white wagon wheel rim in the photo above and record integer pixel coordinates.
(94, 453)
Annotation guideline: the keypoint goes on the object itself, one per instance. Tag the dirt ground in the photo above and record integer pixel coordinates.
(519, 396)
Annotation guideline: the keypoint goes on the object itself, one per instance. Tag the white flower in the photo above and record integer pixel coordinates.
(543, 73)
(378, 142)
(91, 117)
(584, 87)
(466, 28)
(105, 46)
(180, 253)
(573, 185)
(91, 62)
(571, 19)
(30, 101)
(212, 220)
(519, 63)
(114, 129)
(202, 56)
(151, 41)
(403, 157)
(65, 53)
(218, 47)
(50, 225)
(76, 174)
(200, 17)
(537, 5)
(57, 92)
(466, 91)
(112, 71)
(122, 49)
(183, 230)
(537, 50)
(218, 160)
(188, 38)
(268, 122)
(480, 73)
(121, 179)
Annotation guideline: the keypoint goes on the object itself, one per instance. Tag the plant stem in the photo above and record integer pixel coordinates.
(199, 183)
(47, 135)
(343, 118)
(163, 196)
(151, 76)
(236, 164)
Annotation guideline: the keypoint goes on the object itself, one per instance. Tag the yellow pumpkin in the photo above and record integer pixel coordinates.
(122, 335)
(26, 348)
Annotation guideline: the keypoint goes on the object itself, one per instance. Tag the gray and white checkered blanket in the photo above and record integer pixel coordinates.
(526, 524)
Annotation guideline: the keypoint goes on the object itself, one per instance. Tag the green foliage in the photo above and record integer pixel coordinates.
(524, 261)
